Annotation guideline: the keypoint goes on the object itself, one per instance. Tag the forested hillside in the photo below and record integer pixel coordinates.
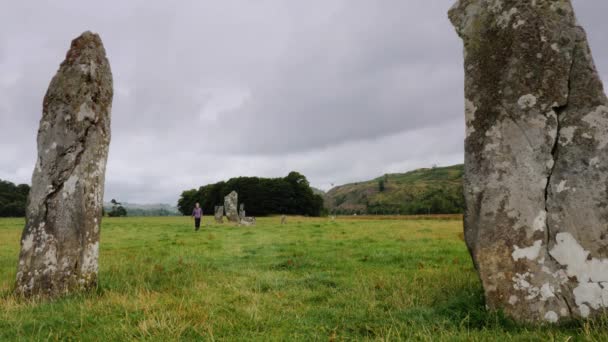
(13, 199)
(262, 196)
(435, 190)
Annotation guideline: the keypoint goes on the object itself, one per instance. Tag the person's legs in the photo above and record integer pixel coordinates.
(197, 223)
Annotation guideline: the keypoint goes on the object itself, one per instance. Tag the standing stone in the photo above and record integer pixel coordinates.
(60, 242)
(219, 214)
(536, 162)
(283, 219)
(242, 210)
(230, 205)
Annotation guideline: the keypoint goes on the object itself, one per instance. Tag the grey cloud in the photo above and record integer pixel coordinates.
(340, 90)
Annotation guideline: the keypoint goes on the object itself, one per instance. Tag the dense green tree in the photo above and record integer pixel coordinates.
(13, 199)
(261, 196)
(117, 209)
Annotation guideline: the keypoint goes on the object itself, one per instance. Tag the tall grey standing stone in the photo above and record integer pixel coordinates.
(219, 214)
(536, 166)
(60, 242)
(230, 205)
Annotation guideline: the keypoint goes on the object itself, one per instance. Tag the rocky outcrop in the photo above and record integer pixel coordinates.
(60, 242)
(536, 166)
(231, 206)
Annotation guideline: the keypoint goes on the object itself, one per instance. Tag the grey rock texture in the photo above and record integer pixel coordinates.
(247, 221)
(231, 206)
(60, 242)
(219, 214)
(242, 210)
(536, 166)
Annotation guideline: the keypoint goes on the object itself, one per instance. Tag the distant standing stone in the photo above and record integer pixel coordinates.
(219, 214)
(536, 159)
(283, 219)
(60, 242)
(242, 210)
(230, 205)
(247, 221)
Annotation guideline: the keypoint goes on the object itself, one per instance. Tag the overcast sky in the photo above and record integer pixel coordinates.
(339, 90)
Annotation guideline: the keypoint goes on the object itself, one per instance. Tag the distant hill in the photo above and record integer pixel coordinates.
(435, 190)
(134, 209)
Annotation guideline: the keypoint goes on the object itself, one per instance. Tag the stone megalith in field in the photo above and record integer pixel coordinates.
(231, 206)
(60, 242)
(536, 161)
(219, 214)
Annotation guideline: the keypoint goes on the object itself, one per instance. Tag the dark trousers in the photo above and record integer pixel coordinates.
(197, 223)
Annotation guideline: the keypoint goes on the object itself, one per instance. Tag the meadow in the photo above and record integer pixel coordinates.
(311, 279)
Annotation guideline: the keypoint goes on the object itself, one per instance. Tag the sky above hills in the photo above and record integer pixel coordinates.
(339, 90)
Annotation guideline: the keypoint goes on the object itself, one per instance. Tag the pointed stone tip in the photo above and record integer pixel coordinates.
(86, 38)
(87, 44)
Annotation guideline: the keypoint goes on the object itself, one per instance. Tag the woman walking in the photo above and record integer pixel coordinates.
(197, 213)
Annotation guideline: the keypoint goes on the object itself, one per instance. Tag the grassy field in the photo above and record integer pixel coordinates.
(312, 279)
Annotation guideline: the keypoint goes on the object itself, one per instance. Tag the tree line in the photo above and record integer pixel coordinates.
(13, 199)
(291, 195)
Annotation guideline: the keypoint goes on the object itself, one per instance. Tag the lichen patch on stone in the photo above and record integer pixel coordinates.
(27, 242)
(89, 260)
(589, 272)
(598, 119)
(469, 113)
(551, 317)
(70, 186)
(561, 187)
(530, 253)
(527, 101)
(85, 112)
(540, 221)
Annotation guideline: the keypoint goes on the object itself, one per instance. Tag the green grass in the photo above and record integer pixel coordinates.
(312, 279)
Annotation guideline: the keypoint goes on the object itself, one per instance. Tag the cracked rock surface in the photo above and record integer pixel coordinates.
(60, 242)
(536, 166)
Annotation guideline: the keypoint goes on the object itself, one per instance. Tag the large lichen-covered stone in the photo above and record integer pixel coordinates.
(60, 242)
(231, 206)
(536, 167)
